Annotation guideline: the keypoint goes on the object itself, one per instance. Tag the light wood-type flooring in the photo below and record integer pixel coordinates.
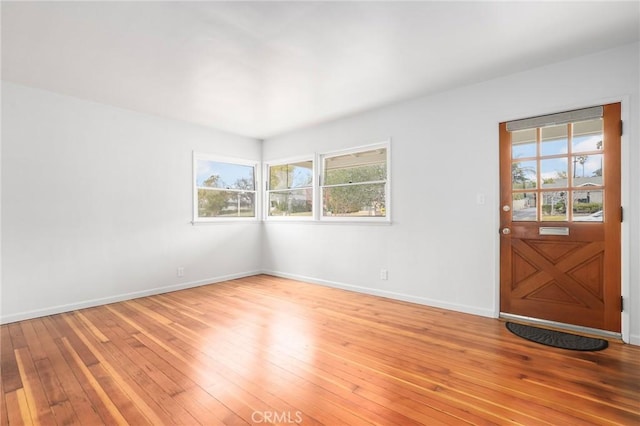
(263, 350)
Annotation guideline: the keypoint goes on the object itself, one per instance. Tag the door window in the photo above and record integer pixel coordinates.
(556, 173)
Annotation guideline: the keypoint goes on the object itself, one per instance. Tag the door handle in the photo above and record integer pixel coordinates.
(506, 231)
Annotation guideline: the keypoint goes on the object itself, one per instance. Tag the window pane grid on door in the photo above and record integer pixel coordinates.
(557, 173)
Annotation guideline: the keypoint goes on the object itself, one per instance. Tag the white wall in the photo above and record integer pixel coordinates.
(442, 247)
(96, 205)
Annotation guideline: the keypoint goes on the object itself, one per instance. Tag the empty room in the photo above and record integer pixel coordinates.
(320, 213)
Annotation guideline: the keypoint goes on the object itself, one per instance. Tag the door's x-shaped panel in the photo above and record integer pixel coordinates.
(570, 275)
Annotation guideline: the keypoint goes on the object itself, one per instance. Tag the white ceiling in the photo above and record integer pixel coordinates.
(263, 68)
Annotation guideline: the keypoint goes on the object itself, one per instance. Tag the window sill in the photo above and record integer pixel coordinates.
(238, 221)
(331, 222)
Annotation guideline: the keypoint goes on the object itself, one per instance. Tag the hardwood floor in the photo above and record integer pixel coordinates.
(263, 350)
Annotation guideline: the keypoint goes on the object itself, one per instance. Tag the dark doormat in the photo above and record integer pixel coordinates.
(557, 339)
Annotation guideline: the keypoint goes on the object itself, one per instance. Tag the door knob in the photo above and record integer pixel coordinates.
(506, 231)
(506, 208)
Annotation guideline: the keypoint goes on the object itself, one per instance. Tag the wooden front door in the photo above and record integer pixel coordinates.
(560, 218)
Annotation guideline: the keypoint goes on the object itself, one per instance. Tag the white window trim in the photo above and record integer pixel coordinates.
(195, 219)
(314, 189)
(358, 219)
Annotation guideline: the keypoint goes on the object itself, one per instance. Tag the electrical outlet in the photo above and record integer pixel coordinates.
(384, 274)
(180, 271)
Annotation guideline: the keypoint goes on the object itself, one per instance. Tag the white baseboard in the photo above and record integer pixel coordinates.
(389, 294)
(5, 319)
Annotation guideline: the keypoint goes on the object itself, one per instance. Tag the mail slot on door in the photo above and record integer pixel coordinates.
(553, 230)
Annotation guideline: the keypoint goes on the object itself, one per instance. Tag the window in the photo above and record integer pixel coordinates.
(557, 170)
(290, 189)
(355, 183)
(223, 188)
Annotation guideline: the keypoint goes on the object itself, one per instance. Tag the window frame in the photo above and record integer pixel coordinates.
(196, 219)
(314, 199)
(387, 185)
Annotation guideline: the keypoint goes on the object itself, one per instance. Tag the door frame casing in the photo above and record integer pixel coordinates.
(624, 194)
